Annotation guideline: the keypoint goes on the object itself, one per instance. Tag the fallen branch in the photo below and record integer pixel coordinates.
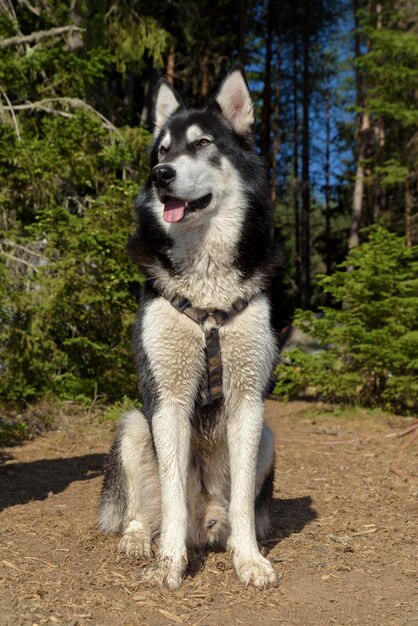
(171, 616)
(399, 472)
(369, 531)
(338, 443)
(408, 430)
(17, 40)
(34, 558)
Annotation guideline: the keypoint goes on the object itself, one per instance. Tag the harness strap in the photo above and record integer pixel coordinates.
(211, 386)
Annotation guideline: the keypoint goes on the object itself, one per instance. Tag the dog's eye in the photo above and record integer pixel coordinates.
(163, 150)
(203, 142)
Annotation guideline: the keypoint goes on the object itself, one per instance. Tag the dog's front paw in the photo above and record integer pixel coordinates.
(165, 572)
(255, 571)
(136, 545)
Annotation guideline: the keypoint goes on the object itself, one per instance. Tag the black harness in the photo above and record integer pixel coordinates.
(210, 388)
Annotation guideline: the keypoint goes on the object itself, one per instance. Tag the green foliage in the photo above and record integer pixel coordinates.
(389, 70)
(391, 173)
(114, 413)
(132, 35)
(69, 323)
(69, 180)
(370, 344)
(391, 65)
(13, 433)
(73, 154)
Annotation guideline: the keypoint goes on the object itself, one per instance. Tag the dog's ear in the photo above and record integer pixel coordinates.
(166, 102)
(235, 100)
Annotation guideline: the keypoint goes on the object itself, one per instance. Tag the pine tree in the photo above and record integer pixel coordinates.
(370, 343)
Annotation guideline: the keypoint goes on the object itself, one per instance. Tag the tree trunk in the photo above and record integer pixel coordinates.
(379, 195)
(204, 85)
(408, 213)
(362, 131)
(265, 138)
(146, 116)
(170, 67)
(295, 185)
(276, 122)
(357, 209)
(306, 193)
(328, 246)
(75, 38)
(242, 25)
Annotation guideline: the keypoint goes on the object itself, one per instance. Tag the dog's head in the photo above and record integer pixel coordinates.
(196, 152)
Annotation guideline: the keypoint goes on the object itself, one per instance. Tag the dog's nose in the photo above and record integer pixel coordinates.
(163, 175)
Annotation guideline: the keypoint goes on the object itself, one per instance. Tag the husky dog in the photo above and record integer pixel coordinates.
(196, 467)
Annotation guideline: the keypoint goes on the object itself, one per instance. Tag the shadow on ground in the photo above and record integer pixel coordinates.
(23, 482)
(288, 516)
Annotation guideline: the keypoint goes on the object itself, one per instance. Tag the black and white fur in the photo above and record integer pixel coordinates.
(197, 476)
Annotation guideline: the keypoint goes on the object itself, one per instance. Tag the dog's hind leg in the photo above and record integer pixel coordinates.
(113, 497)
(143, 510)
(135, 468)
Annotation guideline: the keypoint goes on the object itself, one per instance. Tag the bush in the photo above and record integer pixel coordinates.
(13, 433)
(69, 178)
(370, 343)
(67, 286)
(114, 413)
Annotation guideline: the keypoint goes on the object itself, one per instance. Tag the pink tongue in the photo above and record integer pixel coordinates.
(174, 210)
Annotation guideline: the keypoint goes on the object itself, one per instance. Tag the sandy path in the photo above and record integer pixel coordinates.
(346, 534)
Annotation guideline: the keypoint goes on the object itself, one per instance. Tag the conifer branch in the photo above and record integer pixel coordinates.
(39, 35)
(76, 103)
(35, 10)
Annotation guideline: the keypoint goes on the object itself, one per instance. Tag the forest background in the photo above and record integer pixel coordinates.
(335, 85)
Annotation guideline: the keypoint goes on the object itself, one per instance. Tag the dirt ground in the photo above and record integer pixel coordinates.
(345, 539)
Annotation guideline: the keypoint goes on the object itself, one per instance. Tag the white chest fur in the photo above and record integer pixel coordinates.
(204, 257)
(174, 345)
